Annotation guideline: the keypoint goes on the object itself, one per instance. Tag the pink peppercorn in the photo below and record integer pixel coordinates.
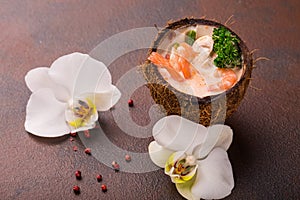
(127, 158)
(78, 174)
(87, 134)
(76, 189)
(104, 188)
(75, 148)
(130, 103)
(116, 167)
(87, 151)
(167, 56)
(99, 177)
(73, 134)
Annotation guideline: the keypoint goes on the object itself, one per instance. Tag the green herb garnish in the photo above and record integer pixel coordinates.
(176, 45)
(190, 37)
(226, 47)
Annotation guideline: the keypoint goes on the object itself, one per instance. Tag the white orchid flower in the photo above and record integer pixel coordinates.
(194, 157)
(66, 97)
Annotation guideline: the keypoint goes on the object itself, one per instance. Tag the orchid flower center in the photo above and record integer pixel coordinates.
(81, 111)
(182, 168)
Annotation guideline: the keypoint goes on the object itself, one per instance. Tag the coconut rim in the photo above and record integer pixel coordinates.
(188, 22)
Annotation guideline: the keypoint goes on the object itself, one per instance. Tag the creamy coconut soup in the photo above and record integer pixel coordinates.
(185, 59)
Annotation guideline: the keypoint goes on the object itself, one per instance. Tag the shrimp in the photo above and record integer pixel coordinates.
(186, 51)
(179, 61)
(160, 61)
(180, 57)
(185, 67)
(228, 79)
(174, 61)
(198, 85)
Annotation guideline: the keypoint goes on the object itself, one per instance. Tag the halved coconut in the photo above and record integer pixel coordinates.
(206, 110)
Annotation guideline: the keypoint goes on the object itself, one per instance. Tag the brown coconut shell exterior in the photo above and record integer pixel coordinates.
(208, 110)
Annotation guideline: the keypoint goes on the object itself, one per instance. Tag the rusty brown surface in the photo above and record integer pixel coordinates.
(265, 151)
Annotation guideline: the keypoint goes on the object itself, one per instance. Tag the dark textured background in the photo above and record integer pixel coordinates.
(265, 151)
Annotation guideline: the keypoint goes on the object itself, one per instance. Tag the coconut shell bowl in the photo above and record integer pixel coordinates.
(206, 110)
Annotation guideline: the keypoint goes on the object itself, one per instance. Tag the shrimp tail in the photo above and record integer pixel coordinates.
(160, 61)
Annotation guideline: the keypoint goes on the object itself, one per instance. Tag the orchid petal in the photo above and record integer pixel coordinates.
(214, 179)
(218, 136)
(106, 99)
(45, 115)
(185, 189)
(80, 73)
(225, 135)
(179, 134)
(38, 78)
(158, 154)
(83, 128)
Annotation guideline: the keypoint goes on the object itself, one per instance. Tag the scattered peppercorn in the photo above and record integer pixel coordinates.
(78, 175)
(75, 148)
(104, 188)
(87, 151)
(167, 56)
(87, 134)
(73, 134)
(71, 139)
(76, 189)
(116, 167)
(99, 177)
(127, 158)
(130, 103)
